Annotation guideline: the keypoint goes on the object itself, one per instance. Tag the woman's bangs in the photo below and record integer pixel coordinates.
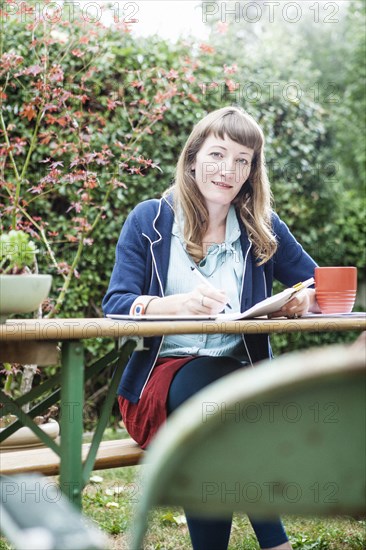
(238, 128)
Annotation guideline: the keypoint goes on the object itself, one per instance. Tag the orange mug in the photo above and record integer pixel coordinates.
(335, 288)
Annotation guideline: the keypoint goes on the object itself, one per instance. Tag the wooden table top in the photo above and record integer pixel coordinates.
(82, 328)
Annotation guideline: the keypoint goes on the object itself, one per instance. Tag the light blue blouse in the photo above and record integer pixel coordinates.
(223, 267)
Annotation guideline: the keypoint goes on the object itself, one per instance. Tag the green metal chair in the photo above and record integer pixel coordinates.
(285, 437)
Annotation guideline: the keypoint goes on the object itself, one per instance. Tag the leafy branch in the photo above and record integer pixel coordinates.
(58, 160)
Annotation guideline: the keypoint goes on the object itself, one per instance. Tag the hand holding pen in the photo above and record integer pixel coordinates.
(204, 299)
(207, 283)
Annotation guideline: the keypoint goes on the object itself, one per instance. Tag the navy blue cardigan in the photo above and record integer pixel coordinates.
(141, 267)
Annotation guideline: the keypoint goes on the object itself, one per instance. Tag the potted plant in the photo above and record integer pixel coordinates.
(24, 437)
(22, 291)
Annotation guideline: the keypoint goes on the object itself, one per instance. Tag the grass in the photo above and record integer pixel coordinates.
(109, 502)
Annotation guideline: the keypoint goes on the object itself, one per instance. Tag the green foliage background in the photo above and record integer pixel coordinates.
(306, 87)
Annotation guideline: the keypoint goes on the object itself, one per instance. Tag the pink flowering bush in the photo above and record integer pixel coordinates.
(76, 106)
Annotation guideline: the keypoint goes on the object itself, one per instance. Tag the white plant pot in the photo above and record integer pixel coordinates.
(22, 293)
(25, 438)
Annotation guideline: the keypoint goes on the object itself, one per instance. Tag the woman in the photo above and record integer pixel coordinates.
(217, 218)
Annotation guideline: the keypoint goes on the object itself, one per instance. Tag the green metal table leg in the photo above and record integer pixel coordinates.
(72, 400)
(124, 353)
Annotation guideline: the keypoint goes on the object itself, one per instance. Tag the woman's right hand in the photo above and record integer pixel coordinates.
(202, 300)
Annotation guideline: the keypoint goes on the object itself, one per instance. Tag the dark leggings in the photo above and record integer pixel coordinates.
(213, 534)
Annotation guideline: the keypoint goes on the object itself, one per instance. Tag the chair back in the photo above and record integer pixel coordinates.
(284, 437)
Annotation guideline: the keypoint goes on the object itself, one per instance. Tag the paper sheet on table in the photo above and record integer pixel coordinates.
(269, 305)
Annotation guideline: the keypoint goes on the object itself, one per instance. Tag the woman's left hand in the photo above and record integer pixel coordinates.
(302, 303)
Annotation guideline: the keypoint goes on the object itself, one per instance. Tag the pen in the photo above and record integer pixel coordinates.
(206, 281)
(304, 284)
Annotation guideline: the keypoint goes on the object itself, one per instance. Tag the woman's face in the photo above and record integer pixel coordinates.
(221, 167)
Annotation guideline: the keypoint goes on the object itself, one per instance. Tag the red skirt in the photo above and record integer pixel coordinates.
(143, 419)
